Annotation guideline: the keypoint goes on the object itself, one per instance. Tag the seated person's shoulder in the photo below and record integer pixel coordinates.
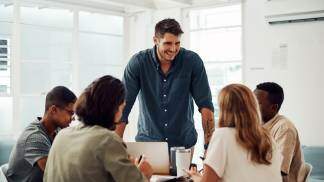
(109, 141)
(37, 145)
(105, 136)
(36, 140)
(285, 127)
(32, 134)
(109, 135)
(114, 138)
(224, 131)
(285, 124)
(37, 137)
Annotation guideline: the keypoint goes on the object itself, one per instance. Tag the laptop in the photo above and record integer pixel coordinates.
(156, 153)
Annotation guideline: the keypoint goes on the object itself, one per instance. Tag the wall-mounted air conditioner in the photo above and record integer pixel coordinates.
(291, 11)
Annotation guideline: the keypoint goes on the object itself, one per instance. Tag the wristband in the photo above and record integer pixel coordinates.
(206, 146)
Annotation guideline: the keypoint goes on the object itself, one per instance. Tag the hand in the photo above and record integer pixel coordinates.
(193, 167)
(194, 174)
(144, 167)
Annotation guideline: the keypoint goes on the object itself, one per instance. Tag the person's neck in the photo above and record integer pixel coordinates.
(270, 118)
(165, 65)
(49, 125)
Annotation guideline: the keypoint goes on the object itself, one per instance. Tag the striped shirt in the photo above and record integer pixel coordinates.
(32, 145)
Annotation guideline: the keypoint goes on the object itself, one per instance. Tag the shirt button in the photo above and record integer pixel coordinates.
(164, 95)
(166, 124)
(166, 139)
(165, 110)
(164, 80)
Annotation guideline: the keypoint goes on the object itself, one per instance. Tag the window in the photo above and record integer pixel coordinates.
(58, 46)
(5, 32)
(45, 60)
(215, 34)
(6, 14)
(100, 45)
(4, 67)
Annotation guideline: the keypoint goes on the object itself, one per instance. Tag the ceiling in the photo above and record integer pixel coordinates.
(125, 6)
(119, 6)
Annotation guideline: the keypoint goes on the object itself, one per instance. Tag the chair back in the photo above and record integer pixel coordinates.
(308, 170)
(3, 177)
(315, 155)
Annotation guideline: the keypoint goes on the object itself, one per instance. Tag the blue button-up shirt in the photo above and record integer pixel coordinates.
(166, 100)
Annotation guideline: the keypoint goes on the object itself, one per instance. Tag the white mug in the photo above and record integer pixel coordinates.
(183, 157)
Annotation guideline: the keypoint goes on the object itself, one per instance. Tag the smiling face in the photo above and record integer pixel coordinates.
(168, 47)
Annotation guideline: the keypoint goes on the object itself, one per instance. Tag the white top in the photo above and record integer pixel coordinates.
(231, 161)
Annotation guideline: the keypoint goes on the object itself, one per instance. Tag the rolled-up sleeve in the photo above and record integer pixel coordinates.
(132, 85)
(286, 140)
(200, 89)
(36, 147)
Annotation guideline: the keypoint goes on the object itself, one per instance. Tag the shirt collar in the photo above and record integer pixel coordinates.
(155, 57)
(39, 120)
(271, 122)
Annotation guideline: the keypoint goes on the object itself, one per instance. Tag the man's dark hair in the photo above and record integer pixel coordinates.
(167, 26)
(59, 96)
(99, 102)
(275, 92)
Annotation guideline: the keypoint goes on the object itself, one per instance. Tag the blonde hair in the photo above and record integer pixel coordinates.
(239, 109)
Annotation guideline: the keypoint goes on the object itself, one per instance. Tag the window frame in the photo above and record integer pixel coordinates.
(187, 38)
(9, 68)
(16, 60)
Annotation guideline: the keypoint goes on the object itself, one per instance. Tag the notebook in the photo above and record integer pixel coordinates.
(156, 153)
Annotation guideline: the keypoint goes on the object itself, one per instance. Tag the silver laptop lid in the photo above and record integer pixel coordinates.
(156, 153)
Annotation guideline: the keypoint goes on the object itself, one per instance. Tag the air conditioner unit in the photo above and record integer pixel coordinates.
(292, 11)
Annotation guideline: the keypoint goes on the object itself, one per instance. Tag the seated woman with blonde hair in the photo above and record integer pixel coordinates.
(240, 149)
(91, 151)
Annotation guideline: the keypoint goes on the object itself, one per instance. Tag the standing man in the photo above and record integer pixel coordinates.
(270, 96)
(28, 158)
(167, 79)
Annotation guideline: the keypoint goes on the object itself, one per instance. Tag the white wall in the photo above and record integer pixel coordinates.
(296, 66)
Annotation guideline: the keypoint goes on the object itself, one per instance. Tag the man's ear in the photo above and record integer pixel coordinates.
(52, 109)
(155, 40)
(275, 107)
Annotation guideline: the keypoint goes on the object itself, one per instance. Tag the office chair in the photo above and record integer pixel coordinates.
(3, 178)
(308, 170)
